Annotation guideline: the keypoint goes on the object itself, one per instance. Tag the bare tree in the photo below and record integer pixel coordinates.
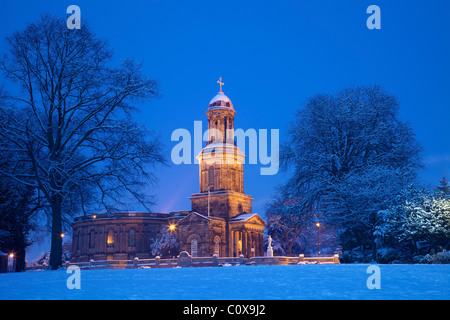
(70, 121)
(287, 221)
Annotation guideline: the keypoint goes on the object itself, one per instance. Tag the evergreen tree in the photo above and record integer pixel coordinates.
(420, 220)
(444, 187)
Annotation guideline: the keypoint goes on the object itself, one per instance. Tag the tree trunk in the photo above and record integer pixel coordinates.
(374, 248)
(20, 250)
(56, 244)
(20, 259)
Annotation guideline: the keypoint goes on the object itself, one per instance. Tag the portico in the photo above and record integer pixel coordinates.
(247, 235)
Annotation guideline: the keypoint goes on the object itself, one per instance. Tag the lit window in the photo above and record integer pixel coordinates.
(110, 239)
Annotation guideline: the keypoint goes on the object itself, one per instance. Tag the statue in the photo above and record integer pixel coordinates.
(269, 248)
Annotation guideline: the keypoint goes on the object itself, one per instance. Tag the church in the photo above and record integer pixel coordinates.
(220, 221)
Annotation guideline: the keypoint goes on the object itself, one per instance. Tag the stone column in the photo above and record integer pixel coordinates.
(244, 244)
(236, 243)
(250, 244)
(241, 237)
(231, 244)
(255, 240)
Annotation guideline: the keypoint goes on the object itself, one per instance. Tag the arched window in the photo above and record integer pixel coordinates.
(217, 246)
(194, 248)
(110, 238)
(132, 238)
(211, 176)
(92, 239)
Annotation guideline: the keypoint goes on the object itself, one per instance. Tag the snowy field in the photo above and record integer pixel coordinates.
(235, 283)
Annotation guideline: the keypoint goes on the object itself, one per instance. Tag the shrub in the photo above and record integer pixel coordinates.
(389, 255)
(356, 255)
(439, 258)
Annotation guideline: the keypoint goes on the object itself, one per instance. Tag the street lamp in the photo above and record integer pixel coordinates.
(11, 262)
(318, 238)
(172, 228)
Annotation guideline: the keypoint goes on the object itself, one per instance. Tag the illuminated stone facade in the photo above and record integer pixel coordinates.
(118, 236)
(220, 221)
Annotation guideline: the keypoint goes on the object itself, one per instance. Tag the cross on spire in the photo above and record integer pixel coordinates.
(220, 84)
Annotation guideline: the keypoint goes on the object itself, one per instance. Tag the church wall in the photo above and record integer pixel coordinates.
(205, 231)
(124, 248)
(218, 229)
(224, 204)
(222, 177)
(193, 228)
(226, 177)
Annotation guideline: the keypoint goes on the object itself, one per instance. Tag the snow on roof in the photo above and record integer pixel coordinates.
(243, 216)
(201, 216)
(246, 216)
(220, 101)
(220, 97)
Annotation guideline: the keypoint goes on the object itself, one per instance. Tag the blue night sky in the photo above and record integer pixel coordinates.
(272, 56)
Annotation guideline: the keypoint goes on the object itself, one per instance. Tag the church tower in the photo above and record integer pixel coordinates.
(221, 221)
(221, 165)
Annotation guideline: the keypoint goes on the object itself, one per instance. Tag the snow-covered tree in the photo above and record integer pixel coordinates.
(351, 154)
(43, 259)
(421, 219)
(69, 115)
(166, 244)
(295, 229)
(444, 187)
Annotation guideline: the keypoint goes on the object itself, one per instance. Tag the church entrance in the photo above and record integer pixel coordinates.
(246, 242)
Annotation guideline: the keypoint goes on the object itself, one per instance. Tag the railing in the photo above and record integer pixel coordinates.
(185, 260)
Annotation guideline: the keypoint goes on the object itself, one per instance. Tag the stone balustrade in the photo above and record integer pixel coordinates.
(185, 260)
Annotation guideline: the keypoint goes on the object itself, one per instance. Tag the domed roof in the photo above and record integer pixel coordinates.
(220, 101)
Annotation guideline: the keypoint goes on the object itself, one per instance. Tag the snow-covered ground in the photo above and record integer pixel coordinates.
(342, 281)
